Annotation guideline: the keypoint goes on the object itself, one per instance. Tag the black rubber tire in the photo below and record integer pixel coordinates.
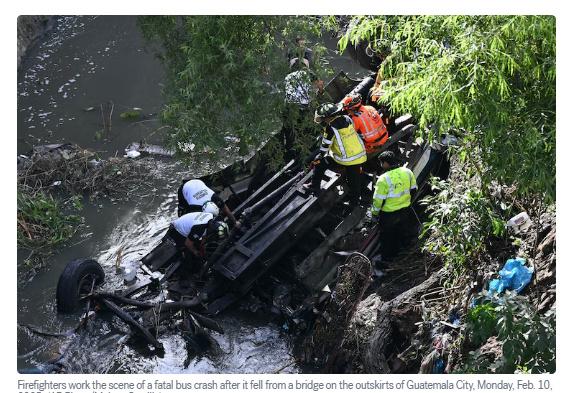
(75, 281)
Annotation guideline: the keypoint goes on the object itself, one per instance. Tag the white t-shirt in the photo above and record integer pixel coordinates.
(196, 192)
(193, 225)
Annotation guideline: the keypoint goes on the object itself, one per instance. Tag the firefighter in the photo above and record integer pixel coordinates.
(367, 122)
(392, 197)
(190, 233)
(194, 195)
(341, 147)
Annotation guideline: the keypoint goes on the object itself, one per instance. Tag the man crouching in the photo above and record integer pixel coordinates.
(193, 231)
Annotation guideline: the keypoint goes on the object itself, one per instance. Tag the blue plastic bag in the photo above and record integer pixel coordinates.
(438, 366)
(514, 275)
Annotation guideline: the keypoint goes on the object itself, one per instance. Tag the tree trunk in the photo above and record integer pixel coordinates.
(381, 330)
(325, 343)
(395, 322)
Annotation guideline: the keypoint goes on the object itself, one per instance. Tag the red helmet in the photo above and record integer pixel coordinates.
(351, 102)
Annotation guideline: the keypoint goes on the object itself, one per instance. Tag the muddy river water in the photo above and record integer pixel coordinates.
(65, 82)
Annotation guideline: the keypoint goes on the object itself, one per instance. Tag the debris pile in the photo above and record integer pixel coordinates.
(69, 168)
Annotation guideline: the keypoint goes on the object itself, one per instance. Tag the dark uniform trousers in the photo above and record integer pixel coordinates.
(192, 263)
(396, 231)
(176, 237)
(352, 174)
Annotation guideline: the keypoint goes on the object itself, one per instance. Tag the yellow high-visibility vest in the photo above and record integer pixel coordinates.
(392, 190)
(346, 146)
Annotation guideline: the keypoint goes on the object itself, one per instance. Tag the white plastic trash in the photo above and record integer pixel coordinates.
(129, 274)
(519, 223)
(449, 140)
(133, 154)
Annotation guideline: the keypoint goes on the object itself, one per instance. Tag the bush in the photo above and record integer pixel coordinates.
(460, 220)
(42, 222)
(482, 320)
(527, 338)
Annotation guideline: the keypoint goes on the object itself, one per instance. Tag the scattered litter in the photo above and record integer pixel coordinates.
(129, 273)
(451, 325)
(519, 223)
(132, 154)
(454, 317)
(57, 183)
(94, 163)
(150, 149)
(438, 366)
(514, 276)
(186, 147)
(433, 362)
(449, 140)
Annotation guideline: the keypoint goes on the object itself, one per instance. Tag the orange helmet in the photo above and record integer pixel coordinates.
(351, 102)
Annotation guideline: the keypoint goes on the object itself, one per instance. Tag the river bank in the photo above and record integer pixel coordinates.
(30, 28)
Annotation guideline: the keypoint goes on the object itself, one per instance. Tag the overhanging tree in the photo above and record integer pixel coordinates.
(491, 76)
(225, 76)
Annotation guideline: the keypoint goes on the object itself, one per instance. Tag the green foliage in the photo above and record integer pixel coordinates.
(130, 115)
(527, 338)
(482, 320)
(225, 76)
(461, 218)
(42, 221)
(493, 76)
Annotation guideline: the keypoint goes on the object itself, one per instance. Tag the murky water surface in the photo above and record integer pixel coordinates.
(65, 84)
(81, 71)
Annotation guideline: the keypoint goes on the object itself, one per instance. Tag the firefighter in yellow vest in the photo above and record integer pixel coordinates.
(341, 147)
(391, 207)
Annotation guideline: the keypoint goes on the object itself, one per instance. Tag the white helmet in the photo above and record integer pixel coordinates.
(211, 207)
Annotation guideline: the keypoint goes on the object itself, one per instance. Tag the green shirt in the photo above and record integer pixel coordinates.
(392, 190)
